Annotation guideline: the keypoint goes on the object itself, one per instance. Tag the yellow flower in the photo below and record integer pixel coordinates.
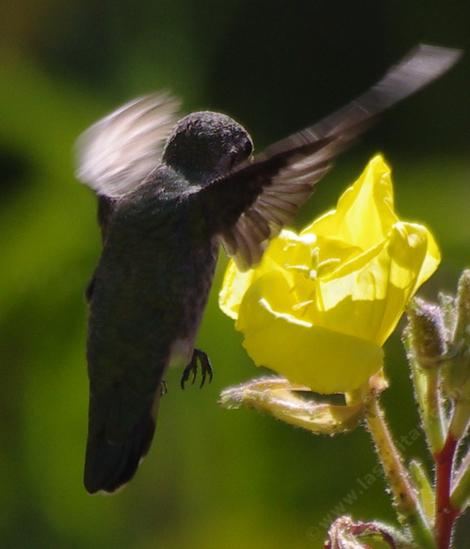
(322, 303)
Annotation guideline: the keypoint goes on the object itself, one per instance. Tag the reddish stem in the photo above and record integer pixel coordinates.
(446, 512)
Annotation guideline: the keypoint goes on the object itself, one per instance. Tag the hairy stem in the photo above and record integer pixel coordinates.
(426, 383)
(447, 509)
(404, 496)
(446, 513)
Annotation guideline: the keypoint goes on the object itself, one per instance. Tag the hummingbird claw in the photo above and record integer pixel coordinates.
(203, 379)
(163, 388)
(185, 376)
(206, 368)
(199, 358)
(190, 368)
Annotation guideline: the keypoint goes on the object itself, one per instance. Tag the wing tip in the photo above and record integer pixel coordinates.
(444, 57)
(112, 156)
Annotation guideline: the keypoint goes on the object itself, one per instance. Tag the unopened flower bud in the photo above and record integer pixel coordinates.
(449, 315)
(427, 331)
(345, 533)
(456, 373)
(462, 328)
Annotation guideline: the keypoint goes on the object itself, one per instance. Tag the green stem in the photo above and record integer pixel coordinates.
(426, 383)
(404, 496)
(432, 414)
(460, 418)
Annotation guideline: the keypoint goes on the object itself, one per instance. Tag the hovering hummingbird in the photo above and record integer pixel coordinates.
(169, 193)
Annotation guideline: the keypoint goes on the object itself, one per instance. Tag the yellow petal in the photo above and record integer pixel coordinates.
(321, 304)
(366, 296)
(286, 253)
(325, 360)
(233, 289)
(364, 214)
(414, 258)
(432, 259)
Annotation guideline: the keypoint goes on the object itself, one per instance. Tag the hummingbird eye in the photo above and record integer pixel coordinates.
(240, 151)
(248, 148)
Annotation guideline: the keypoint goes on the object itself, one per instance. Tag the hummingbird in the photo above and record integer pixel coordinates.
(170, 192)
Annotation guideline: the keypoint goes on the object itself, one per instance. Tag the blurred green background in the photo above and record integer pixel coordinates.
(214, 478)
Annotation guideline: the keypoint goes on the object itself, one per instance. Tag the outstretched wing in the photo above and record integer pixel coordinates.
(265, 194)
(119, 151)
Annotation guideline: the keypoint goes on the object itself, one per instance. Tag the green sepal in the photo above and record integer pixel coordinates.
(281, 399)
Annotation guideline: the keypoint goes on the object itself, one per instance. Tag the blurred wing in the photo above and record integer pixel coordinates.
(265, 194)
(119, 151)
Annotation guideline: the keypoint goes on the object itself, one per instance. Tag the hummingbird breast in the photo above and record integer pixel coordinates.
(149, 293)
(146, 303)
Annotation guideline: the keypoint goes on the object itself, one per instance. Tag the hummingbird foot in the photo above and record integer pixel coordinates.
(163, 388)
(199, 358)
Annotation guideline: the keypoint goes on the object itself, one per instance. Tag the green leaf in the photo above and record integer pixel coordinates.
(424, 489)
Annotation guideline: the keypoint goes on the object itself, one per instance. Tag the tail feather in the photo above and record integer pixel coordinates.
(110, 465)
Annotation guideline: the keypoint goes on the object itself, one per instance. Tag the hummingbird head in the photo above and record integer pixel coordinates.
(205, 145)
